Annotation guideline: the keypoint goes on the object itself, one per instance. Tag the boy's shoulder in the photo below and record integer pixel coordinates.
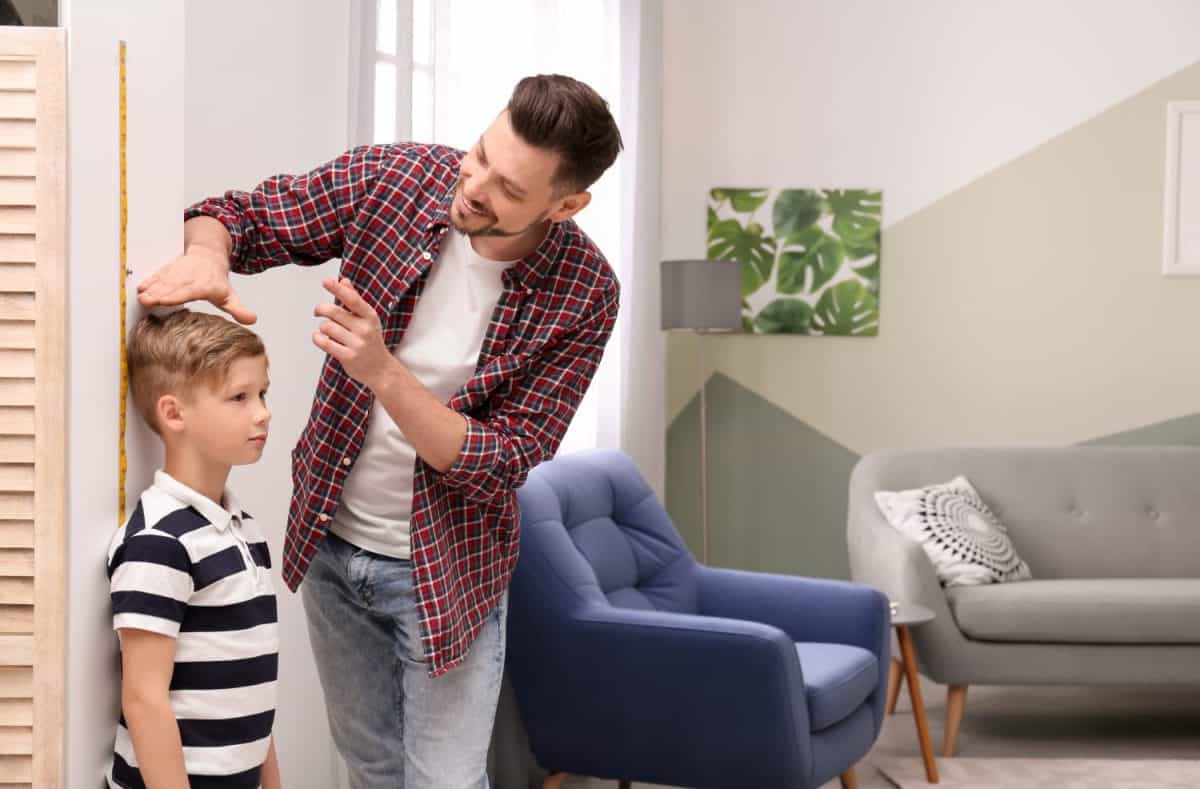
(158, 514)
(159, 510)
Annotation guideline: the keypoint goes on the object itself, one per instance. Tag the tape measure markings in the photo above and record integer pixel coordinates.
(122, 459)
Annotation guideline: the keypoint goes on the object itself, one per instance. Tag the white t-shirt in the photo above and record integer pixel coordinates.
(441, 348)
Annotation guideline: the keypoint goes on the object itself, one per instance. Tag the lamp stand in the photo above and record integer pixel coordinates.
(700, 337)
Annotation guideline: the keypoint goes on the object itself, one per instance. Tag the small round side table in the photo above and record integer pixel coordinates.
(905, 615)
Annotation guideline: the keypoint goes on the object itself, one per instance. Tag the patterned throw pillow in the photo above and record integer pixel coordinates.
(966, 543)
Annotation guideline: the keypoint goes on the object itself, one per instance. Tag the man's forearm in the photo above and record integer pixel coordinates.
(156, 743)
(435, 432)
(204, 231)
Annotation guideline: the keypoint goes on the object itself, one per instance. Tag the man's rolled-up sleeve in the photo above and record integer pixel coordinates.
(300, 219)
(498, 452)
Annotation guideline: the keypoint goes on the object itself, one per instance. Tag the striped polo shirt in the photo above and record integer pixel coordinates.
(199, 572)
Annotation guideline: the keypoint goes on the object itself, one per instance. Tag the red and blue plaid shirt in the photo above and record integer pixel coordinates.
(384, 210)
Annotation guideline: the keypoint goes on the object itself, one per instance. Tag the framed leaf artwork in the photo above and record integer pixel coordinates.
(809, 257)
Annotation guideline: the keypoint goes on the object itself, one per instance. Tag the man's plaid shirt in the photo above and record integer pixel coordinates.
(384, 210)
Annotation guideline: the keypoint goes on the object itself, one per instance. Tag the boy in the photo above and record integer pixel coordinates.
(193, 602)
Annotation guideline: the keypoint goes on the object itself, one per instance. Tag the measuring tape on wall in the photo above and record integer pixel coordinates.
(122, 460)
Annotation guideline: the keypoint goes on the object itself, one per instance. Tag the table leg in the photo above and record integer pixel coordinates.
(914, 693)
(895, 681)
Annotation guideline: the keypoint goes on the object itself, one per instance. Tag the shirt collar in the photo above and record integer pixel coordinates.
(214, 513)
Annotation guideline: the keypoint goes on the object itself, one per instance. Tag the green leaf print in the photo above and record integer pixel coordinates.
(868, 270)
(743, 200)
(812, 250)
(728, 240)
(795, 211)
(847, 308)
(856, 219)
(784, 316)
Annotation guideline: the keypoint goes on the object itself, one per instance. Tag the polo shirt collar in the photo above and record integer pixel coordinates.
(214, 513)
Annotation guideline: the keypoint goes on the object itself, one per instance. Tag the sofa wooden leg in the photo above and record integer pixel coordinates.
(849, 781)
(554, 781)
(624, 784)
(956, 700)
(895, 681)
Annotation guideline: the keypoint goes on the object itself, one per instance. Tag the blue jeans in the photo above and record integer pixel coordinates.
(393, 725)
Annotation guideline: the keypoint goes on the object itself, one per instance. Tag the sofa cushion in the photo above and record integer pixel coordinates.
(838, 678)
(1099, 611)
(1072, 512)
(966, 543)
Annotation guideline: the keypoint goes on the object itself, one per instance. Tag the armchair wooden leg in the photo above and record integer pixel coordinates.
(956, 699)
(554, 781)
(895, 681)
(624, 784)
(849, 781)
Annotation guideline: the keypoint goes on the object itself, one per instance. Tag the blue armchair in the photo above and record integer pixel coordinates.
(631, 661)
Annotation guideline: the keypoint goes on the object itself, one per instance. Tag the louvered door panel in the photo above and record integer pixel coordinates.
(32, 412)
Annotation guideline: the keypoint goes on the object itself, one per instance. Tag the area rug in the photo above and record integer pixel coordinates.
(965, 773)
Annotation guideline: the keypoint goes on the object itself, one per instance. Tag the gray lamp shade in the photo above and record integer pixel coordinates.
(701, 295)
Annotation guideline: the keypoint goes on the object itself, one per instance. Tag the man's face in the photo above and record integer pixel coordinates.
(229, 424)
(506, 186)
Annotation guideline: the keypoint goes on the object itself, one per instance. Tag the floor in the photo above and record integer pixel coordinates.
(1040, 722)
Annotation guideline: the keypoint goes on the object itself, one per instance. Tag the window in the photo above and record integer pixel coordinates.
(462, 59)
(423, 98)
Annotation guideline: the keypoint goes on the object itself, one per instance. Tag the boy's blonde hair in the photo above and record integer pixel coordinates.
(181, 351)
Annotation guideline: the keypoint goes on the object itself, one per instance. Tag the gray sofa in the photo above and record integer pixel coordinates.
(1112, 536)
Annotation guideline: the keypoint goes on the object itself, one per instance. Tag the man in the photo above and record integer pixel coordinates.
(470, 317)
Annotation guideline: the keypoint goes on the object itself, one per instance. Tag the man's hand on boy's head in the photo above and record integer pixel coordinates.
(200, 274)
(352, 334)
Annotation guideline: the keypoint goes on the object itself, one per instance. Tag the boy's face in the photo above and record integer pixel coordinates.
(228, 424)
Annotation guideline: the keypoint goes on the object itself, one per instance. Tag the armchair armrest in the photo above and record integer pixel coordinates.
(670, 698)
(807, 609)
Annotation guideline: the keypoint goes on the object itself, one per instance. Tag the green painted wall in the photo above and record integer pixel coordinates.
(1027, 307)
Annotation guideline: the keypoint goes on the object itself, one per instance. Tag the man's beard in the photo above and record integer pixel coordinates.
(491, 231)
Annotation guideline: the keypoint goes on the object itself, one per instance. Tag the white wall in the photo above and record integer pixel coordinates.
(154, 34)
(642, 347)
(266, 93)
(867, 93)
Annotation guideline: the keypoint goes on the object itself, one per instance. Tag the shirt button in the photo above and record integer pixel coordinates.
(346, 461)
(323, 517)
(426, 255)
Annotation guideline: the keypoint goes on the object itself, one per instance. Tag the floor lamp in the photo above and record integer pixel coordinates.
(703, 297)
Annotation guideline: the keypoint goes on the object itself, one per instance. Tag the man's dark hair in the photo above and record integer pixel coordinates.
(566, 116)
